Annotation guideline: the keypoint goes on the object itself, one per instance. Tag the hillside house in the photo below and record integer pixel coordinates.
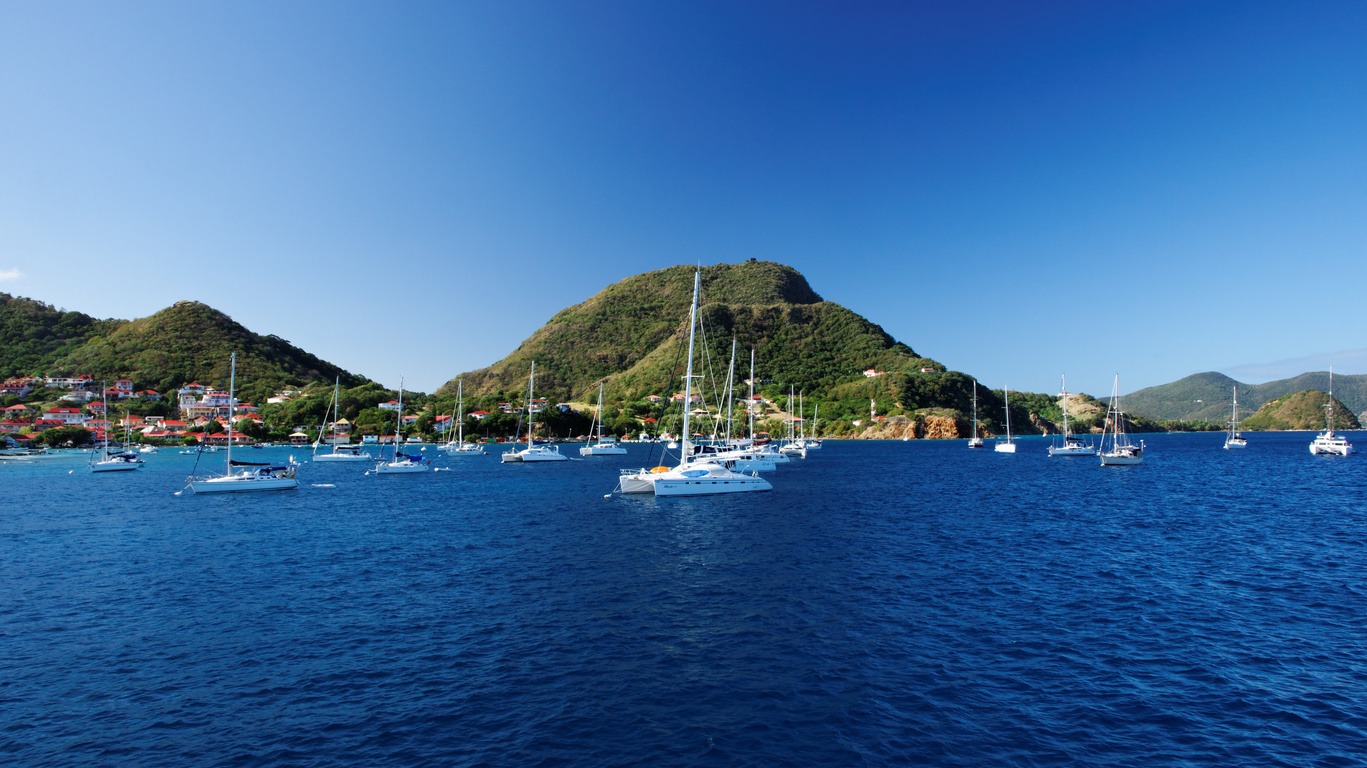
(83, 381)
(66, 416)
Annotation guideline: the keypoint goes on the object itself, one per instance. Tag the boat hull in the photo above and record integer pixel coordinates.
(710, 486)
(400, 468)
(1330, 445)
(243, 484)
(344, 457)
(1123, 459)
(115, 466)
(602, 450)
(1063, 450)
(1004, 447)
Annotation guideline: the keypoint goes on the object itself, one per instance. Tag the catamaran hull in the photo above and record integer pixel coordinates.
(640, 483)
(1330, 447)
(704, 486)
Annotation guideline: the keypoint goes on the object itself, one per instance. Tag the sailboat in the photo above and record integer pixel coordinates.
(241, 476)
(402, 463)
(1121, 451)
(606, 445)
(1007, 445)
(104, 461)
(533, 452)
(1234, 439)
(1327, 443)
(339, 452)
(737, 455)
(793, 447)
(1071, 445)
(689, 479)
(458, 446)
(975, 440)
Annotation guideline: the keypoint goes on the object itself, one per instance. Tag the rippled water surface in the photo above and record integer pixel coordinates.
(887, 604)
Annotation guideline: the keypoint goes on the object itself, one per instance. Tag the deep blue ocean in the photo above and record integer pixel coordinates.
(888, 604)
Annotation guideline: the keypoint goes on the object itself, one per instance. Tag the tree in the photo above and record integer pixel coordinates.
(64, 437)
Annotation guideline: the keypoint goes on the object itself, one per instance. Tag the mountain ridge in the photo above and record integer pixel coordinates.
(1207, 396)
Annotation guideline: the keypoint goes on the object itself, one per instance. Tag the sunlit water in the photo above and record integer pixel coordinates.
(892, 603)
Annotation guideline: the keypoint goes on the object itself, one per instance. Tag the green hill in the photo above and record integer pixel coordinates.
(34, 334)
(1300, 410)
(1206, 396)
(632, 332)
(185, 342)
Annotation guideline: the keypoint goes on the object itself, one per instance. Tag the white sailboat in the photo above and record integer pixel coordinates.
(339, 452)
(1007, 445)
(402, 463)
(119, 461)
(605, 445)
(690, 479)
(1327, 443)
(1072, 445)
(1234, 439)
(1121, 451)
(458, 446)
(975, 440)
(242, 476)
(533, 452)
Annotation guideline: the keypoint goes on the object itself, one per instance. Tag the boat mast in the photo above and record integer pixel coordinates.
(975, 407)
(1063, 405)
(398, 422)
(685, 444)
(531, 417)
(460, 413)
(730, 389)
(232, 401)
(750, 405)
(1006, 399)
(598, 415)
(1329, 406)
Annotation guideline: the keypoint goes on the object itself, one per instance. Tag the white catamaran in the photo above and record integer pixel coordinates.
(605, 445)
(534, 452)
(458, 446)
(240, 476)
(690, 479)
(1327, 443)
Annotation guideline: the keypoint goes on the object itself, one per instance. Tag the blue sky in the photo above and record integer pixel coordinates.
(1015, 189)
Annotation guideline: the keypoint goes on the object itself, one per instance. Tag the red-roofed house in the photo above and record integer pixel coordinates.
(481, 415)
(65, 415)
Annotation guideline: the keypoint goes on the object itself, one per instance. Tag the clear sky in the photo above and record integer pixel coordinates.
(1016, 189)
